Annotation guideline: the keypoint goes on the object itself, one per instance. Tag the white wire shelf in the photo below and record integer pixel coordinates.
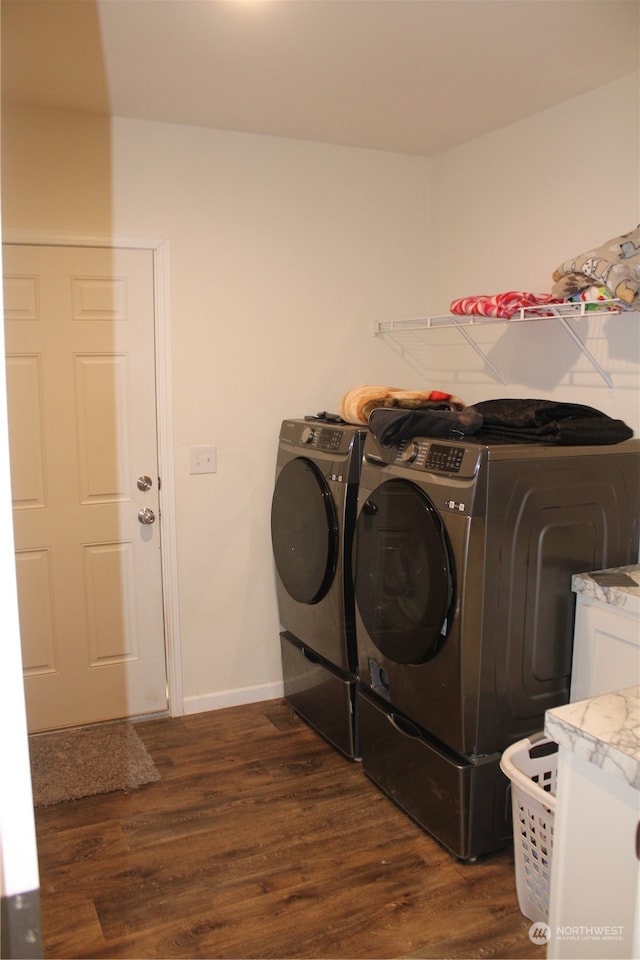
(560, 311)
(541, 312)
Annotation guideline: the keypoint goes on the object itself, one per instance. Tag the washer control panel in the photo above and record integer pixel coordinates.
(324, 438)
(330, 439)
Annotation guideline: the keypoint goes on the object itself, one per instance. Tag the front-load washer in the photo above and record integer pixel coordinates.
(313, 515)
(464, 554)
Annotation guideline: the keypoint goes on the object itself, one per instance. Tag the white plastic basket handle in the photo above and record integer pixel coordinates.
(521, 779)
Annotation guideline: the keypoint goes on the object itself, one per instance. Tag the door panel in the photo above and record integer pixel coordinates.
(82, 422)
(24, 386)
(37, 615)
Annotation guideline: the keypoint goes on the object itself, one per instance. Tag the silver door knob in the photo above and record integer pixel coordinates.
(144, 483)
(145, 515)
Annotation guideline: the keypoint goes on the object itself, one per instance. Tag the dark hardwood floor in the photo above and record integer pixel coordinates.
(262, 841)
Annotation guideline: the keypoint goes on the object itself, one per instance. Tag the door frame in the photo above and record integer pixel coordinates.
(159, 249)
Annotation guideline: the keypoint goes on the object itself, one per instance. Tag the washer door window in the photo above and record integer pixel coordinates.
(304, 531)
(403, 579)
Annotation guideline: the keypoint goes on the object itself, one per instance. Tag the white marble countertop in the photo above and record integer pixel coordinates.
(604, 730)
(619, 586)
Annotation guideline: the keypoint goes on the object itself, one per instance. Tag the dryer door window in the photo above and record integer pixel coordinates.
(403, 578)
(304, 531)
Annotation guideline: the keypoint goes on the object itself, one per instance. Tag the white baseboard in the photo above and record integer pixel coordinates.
(233, 698)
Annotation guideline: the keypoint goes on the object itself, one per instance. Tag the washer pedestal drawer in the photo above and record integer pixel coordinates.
(463, 804)
(321, 694)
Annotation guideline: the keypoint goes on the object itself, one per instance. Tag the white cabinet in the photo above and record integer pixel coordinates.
(595, 874)
(606, 651)
(595, 871)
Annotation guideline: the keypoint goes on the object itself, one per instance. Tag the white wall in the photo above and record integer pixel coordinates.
(510, 207)
(282, 253)
(18, 855)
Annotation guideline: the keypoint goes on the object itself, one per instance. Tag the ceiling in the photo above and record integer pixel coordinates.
(411, 76)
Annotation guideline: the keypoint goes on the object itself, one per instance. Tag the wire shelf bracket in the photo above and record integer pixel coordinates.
(561, 311)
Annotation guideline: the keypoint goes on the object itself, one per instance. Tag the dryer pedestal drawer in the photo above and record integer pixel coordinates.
(463, 805)
(322, 696)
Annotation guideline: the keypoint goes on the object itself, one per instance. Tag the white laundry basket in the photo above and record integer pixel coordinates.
(531, 766)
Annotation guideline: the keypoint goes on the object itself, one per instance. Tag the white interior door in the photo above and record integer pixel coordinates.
(79, 326)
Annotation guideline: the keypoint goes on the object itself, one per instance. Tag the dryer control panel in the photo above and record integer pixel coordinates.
(439, 457)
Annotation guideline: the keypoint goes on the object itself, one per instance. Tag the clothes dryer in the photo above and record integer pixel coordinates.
(313, 515)
(464, 612)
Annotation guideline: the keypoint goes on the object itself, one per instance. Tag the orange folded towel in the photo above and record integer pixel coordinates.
(357, 404)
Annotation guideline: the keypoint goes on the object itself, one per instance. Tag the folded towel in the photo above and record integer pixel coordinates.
(500, 305)
(357, 404)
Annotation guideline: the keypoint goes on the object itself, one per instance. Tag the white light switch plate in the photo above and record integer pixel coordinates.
(203, 459)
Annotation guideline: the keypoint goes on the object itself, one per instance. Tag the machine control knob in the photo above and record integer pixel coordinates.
(410, 452)
(308, 434)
